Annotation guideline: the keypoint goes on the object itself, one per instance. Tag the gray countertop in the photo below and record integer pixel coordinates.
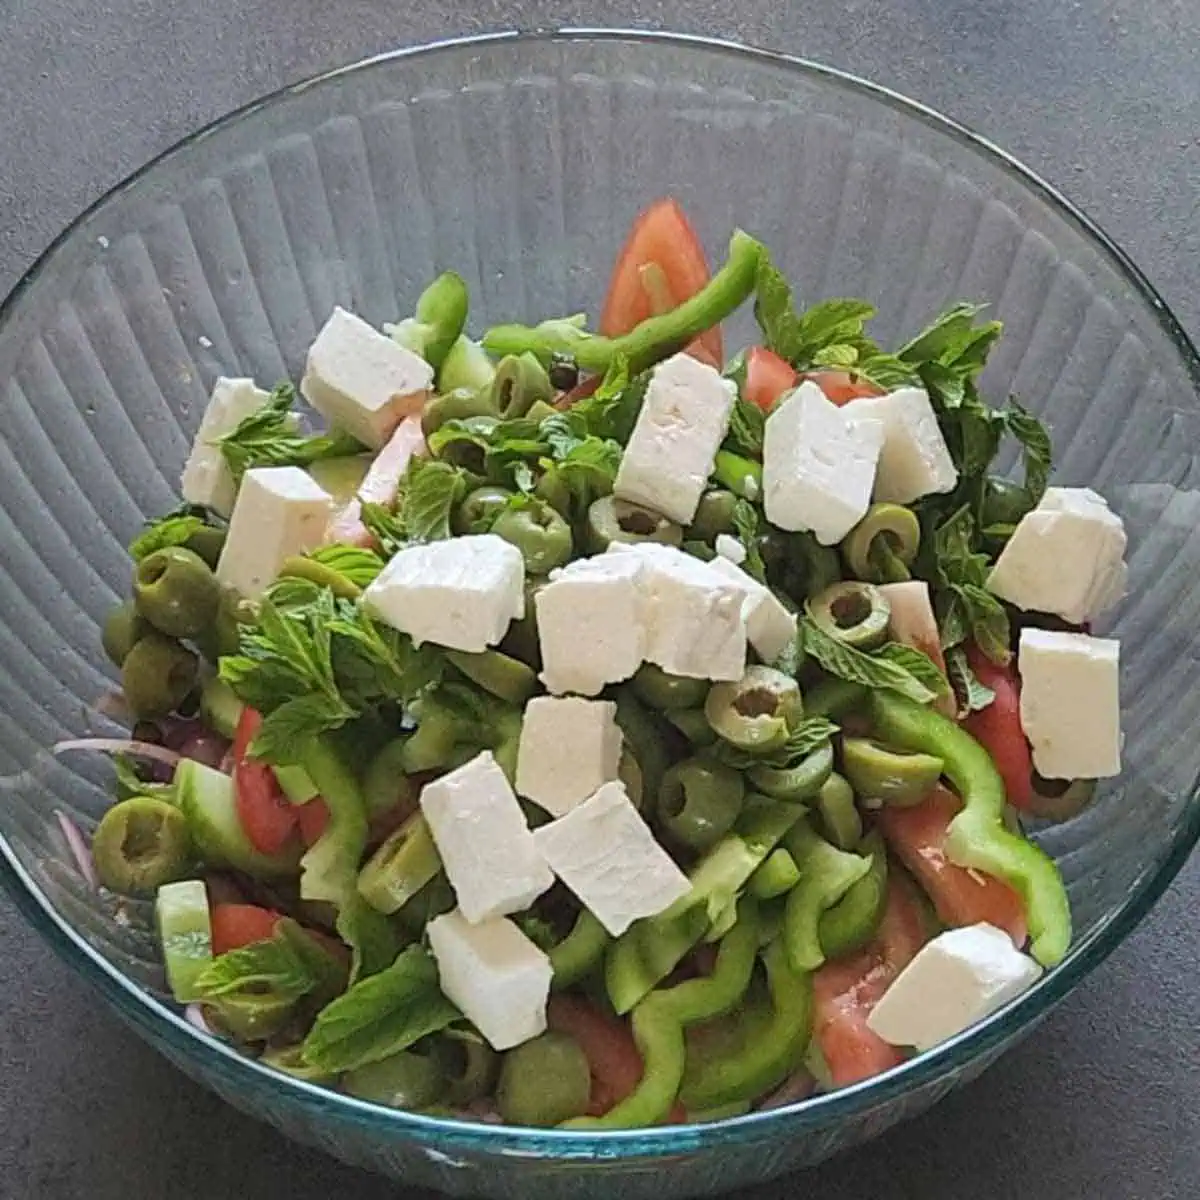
(1102, 96)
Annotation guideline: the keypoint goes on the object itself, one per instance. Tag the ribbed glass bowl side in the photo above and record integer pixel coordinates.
(519, 162)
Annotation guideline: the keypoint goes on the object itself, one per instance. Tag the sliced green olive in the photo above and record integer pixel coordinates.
(140, 844)
(629, 772)
(544, 1082)
(693, 724)
(882, 775)
(291, 1061)
(611, 520)
(698, 802)
(224, 635)
(469, 452)
(520, 382)
(408, 1080)
(837, 813)
(1060, 799)
(799, 782)
(123, 628)
(714, 515)
(852, 612)
(480, 508)
(539, 410)
(506, 677)
(468, 1065)
(553, 489)
(757, 712)
(176, 591)
(666, 693)
(883, 545)
(521, 641)
(539, 532)
(157, 675)
(208, 543)
(457, 405)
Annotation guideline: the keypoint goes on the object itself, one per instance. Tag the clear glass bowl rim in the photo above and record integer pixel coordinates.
(160, 1022)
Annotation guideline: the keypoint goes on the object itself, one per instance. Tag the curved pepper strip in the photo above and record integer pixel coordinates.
(655, 338)
(743, 1072)
(660, 1019)
(580, 952)
(977, 837)
(329, 870)
(826, 875)
(854, 920)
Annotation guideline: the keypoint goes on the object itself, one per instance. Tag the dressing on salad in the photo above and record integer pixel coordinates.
(584, 730)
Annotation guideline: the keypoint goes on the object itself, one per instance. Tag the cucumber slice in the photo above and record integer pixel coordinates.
(206, 798)
(341, 477)
(220, 709)
(185, 931)
(296, 784)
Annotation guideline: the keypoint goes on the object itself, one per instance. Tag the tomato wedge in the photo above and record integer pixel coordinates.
(917, 837)
(661, 238)
(238, 925)
(312, 819)
(846, 991)
(998, 727)
(608, 1046)
(767, 377)
(841, 387)
(264, 811)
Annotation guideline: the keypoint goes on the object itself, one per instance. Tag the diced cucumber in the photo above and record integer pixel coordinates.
(185, 931)
(220, 709)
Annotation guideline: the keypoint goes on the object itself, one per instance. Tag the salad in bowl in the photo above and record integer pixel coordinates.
(587, 729)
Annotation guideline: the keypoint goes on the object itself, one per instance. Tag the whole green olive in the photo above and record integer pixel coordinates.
(480, 508)
(223, 636)
(611, 520)
(176, 591)
(123, 628)
(140, 844)
(208, 543)
(542, 536)
(406, 1080)
(544, 1082)
(157, 675)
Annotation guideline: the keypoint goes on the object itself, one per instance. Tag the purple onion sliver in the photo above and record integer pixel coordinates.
(793, 1089)
(205, 747)
(194, 1015)
(178, 731)
(80, 851)
(159, 754)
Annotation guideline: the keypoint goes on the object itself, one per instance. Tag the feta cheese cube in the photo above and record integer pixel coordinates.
(915, 460)
(960, 977)
(681, 425)
(692, 614)
(207, 479)
(463, 592)
(360, 379)
(605, 853)
(280, 511)
(494, 974)
(729, 547)
(589, 624)
(818, 464)
(485, 845)
(770, 628)
(1070, 705)
(568, 748)
(1066, 557)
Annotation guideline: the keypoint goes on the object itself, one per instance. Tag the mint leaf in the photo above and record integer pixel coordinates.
(747, 425)
(174, 529)
(369, 934)
(269, 438)
(972, 695)
(354, 563)
(384, 525)
(811, 734)
(428, 497)
(275, 968)
(746, 524)
(857, 666)
(1035, 447)
(611, 411)
(918, 665)
(380, 1015)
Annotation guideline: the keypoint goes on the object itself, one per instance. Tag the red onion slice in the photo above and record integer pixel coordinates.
(793, 1089)
(160, 754)
(193, 1014)
(80, 851)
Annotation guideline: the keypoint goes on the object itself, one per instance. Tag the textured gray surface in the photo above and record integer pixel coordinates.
(1103, 96)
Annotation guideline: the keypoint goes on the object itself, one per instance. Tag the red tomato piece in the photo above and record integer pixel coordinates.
(608, 1046)
(767, 377)
(238, 925)
(661, 236)
(917, 836)
(263, 810)
(998, 727)
(847, 990)
(312, 819)
(841, 387)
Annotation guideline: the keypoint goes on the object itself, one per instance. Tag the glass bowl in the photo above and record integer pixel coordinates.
(519, 161)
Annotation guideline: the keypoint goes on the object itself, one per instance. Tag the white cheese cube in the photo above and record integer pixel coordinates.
(494, 974)
(819, 464)
(280, 511)
(729, 547)
(770, 628)
(589, 624)
(692, 614)
(360, 379)
(485, 845)
(960, 977)
(605, 853)
(679, 429)
(915, 460)
(207, 479)
(463, 592)
(1066, 557)
(1070, 703)
(568, 748)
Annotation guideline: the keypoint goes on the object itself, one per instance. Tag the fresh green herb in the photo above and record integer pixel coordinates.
(277, 967)
(856, 666)
(538, 930)
(174, 529)
(919, 666)
(747, 525)
(428, 497)
(380, 1015)
(384, 525)
(369, 934)
(130, 783)
(811, 734)
(611, 411)
(747, 424)
(355, 563)
(1035, 447)
(269, 438)
(972, 696)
